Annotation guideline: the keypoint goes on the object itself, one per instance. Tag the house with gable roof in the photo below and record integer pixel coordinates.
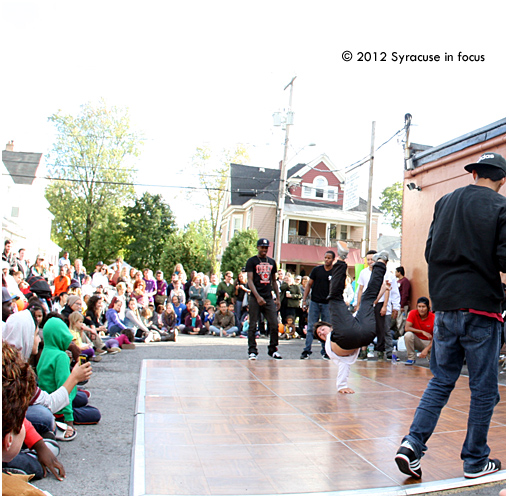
(26, 218)
(313, 218)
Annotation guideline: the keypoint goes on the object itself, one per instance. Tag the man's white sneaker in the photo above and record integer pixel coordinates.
(277, 356)
(252, 356)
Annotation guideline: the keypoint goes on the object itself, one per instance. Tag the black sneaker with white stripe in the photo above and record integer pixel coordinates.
(492, 466)
(408, 463)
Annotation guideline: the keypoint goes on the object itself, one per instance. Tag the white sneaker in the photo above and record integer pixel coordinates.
(277, 356)
(252, 356)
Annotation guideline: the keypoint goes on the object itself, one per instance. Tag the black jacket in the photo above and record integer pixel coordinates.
(465, 250)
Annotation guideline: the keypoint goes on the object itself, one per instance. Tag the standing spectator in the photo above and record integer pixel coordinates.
(61, 282)
(100, 278)
(22, 264)
(161, 288)
(318, 286)
(419, 331)
(150, 285)
(189, 283)
(224, 322)
(241, 288)
(64, 260)
(466, 292)
(386, 307)
(8, 255)
(290, 291)
(280, 277)
(79, 271)
(181, 274)
(211, 289)
(226, 289)
(178, 291)
(197, 293)
(404, 291)
(39, 268)
(261, 279)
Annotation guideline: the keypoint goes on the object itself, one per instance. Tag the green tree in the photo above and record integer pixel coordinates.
(392, 204)
(213, 170)
(189, 247)
(92, 159)
(241, 247)
(147, 226)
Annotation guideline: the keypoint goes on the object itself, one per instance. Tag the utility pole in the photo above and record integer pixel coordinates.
(370, 187)
(282, 188)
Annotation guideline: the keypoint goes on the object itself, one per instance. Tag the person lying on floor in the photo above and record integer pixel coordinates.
(347, 334)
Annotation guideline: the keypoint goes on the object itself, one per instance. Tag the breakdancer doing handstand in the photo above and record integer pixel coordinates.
(348, 334)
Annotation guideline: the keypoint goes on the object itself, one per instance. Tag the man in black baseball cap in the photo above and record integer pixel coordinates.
(466, 254)
(490, 165)
(261, 279)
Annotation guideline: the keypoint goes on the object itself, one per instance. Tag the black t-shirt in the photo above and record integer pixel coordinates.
(321, 279)
(262, 270)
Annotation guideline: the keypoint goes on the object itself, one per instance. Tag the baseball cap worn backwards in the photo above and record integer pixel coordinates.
(488, 159)
(263, 242)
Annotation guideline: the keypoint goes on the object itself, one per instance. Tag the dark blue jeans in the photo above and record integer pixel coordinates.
(458, 335)
(317, 311)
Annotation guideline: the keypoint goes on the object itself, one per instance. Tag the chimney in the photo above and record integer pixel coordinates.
(10, 146)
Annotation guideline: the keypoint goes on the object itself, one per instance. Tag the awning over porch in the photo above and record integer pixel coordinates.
(313, 255)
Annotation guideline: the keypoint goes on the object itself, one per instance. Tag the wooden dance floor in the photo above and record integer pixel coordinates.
(264, 427)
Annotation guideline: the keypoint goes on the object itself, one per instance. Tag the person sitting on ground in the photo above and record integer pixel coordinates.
(224, 322)
(193, 324)
(22, 332)
(121, 289)
(74, 304)
(18, 384)
(124, 340)
(94, 316)
(80, 339)
(178, 308)
(157, 316)
(53, 371)
(139, 293)
(419, 331)
(208, 317)
(60, 302)
(133, 321)
(115, 325)
(185, 312)
(146, 319)
(289, 329)
(348, 334)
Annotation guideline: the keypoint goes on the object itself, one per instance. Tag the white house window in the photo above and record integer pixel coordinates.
(15, 211)
(248, 222)
(320, 189)
(237, 224)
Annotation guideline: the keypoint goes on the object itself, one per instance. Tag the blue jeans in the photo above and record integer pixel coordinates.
(458, 335)
(233, 329)
(317, 311)
(41, 418)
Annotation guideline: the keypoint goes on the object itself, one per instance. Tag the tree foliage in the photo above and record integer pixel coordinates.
(147, 226)
(392, 204)
(189, 247)
(213, 170)
(92, 158)
(241, 247)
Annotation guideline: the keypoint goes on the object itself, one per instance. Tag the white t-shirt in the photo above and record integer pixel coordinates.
(343, 364)
(394, 296)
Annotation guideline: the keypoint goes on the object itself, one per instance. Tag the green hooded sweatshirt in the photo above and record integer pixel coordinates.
(53, 367)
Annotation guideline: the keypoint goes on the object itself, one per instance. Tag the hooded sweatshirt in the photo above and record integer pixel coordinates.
(19, 330)
(53, 366)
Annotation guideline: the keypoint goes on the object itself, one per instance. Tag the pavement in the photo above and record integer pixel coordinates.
(98, 461)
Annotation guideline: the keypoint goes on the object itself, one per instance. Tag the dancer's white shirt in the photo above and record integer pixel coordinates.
(343, 364)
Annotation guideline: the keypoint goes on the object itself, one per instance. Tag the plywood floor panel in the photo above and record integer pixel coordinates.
(271, 427)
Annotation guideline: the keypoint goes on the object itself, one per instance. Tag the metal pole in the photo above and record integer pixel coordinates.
(370, 187)
(282, 189)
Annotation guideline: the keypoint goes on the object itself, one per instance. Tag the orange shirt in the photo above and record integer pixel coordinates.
(61, 284)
